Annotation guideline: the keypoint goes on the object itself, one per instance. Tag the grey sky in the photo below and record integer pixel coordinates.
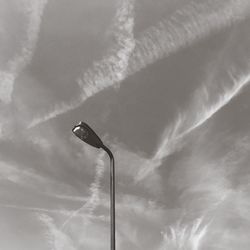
(165, 84)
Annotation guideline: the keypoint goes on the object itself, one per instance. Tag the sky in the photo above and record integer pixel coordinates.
(165, 84)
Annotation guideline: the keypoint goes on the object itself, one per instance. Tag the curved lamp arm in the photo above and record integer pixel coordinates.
(112, 195)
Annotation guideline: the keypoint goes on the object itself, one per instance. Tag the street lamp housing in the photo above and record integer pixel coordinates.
(86, 134)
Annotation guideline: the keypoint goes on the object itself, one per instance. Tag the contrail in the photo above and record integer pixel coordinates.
(63, 212)
(187, 25)
(37, 209)
(26, 178)
(34, 10)
(90, 205)
(108, 71)
(57, 239)
(224, 99)
(64, 197)
(61, 197)
(172, 140)
(206, 103)
(113, 68)
(194, 22)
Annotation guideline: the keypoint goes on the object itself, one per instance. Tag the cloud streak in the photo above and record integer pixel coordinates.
(217, 90)
(111, 70)
(189, 24)
(34, 10)
(31, 179)
(196, 21)
(172, 138)
(38, 209)
(94, 199)
(55, 237)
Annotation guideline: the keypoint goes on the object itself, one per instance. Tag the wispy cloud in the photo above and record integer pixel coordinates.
(13, 174)
(6, 87)
(94, 199)
(77, 238)
(205, 187)
(184, 237)
(131, 210)
(29, 178)
(193, 22)
(34, 10)
(173, 136)
(208, 196)
(212, 193)
(57, 239)
(112, 69)
(231, 223)
(38, 209)
(217, 90)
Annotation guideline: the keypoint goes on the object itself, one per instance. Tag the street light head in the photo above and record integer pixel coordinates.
(87, 134)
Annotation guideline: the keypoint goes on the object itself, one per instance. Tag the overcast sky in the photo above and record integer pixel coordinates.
(165, 85)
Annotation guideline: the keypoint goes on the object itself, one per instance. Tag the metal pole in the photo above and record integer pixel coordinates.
(112, 197)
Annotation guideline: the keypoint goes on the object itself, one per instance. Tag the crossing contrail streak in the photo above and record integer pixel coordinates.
(90, 205)
(111, 69)
(34, 10)
(33, 180)
(206, 103)
(56, 238)
(189, 24)
(224, 99)
(113, 66)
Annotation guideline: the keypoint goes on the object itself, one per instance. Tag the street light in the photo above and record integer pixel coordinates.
(87, 134)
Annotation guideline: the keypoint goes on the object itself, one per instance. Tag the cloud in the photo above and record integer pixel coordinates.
(77, 238)
(173, 137)
(184, 237)
(6, 87)
(231, 223)
(128, 165)
(56, 238)
(39, 209)
(135, 218)
(207, 180)
(111, 70)
(15, 175)
(211, 190)
(38, 183)
(193, 22)
(34, 11)
(217, 90)
(94, 199)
